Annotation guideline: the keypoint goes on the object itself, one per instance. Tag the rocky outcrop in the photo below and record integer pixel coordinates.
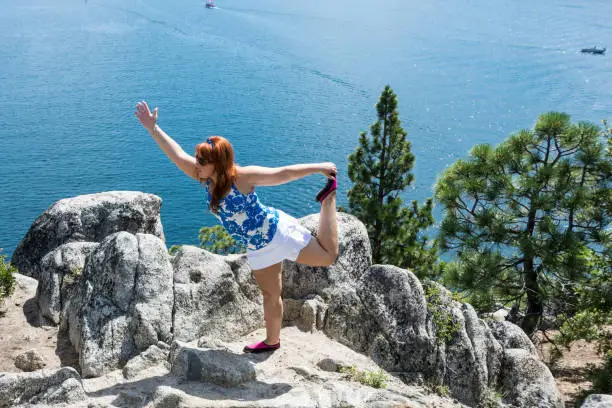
(89, 218)
(122, 298)
(41, 387)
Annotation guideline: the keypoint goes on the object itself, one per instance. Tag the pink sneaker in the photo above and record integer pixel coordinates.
(261, 346)
(331, 185)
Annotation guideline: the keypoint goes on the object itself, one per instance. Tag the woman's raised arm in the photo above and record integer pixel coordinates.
(173, 150)
(273, 176)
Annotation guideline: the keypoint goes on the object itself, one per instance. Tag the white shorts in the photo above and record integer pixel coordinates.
(289, 239)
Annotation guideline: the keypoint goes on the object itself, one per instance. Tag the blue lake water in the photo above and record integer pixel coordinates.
(285, 81)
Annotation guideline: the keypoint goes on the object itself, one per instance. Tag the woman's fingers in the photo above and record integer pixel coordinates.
(146, 107)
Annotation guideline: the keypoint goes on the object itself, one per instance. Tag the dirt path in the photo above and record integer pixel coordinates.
(22, 330)
(570, 371)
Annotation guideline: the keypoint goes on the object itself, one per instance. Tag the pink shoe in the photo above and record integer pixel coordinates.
(331, 185)
(260, 347)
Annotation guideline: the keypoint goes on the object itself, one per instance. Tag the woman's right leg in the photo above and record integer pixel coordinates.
(270, 281)
(323, 250)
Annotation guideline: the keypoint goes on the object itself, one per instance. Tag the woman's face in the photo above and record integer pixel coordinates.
(204, 171)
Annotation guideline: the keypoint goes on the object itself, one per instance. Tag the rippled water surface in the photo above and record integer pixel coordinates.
(286, 82)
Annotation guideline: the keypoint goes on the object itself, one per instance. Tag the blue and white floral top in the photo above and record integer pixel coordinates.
(245, 218)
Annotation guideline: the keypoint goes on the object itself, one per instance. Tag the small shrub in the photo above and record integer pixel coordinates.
(440, 389)
(75, 271)
(492, 399)
(7, 280)
(174, 249)
(375, 379)
(444, 324)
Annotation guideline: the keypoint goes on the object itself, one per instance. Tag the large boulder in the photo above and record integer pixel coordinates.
(60, 386)
(527, 382)
(355, 257)
(123, 303)
(59, 273)
(214, 296)
(88, 218)
(421, 337)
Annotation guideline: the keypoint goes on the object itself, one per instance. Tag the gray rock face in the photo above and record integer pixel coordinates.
(511, 336)
(29, 361)
(355, 256)
(217, 366)
(488, 352)
(597, 401)
(214, 296)
(527, 382)
(87, 218)
(123, 303)
(41, 387)
(465, 366)
(395, 302)
(347, 320)
(60, 271)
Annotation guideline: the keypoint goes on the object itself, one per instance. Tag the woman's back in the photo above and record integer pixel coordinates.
(246, 219)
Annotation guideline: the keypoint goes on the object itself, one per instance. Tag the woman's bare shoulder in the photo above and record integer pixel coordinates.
(243, 182)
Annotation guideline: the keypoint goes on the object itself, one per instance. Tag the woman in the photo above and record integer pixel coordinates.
(269, 235)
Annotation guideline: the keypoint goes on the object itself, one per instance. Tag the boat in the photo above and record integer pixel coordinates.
(593, 50)
(210, 4)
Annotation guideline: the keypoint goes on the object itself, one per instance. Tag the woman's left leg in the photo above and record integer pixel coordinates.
(270, 281)
(323, 249)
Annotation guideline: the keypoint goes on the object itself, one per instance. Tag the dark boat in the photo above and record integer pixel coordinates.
(210, 4)
(593, 50)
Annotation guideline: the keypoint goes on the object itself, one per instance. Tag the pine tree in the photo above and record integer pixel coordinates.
(526, 219)
(380, 169)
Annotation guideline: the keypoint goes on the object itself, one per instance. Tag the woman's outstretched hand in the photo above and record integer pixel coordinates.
(145, 116)
(329, 169)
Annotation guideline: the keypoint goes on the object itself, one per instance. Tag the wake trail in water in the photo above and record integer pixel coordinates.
(147, 18)
(313, 71)
(302, 67)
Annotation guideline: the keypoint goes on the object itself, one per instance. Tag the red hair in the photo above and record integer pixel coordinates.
(220, 154)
